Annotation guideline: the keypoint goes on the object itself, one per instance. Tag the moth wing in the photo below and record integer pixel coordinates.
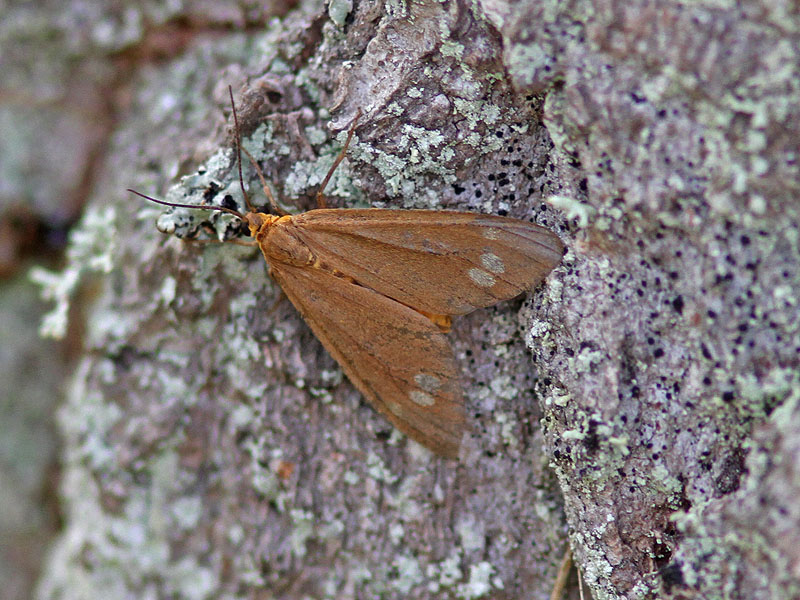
(397, 358)
(439, 262)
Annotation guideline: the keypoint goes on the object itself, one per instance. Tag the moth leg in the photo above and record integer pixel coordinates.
(561, 577)
(321, 192)
(273, 205)
(239, 148)
(278, 301)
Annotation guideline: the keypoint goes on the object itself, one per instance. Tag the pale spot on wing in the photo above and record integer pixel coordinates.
(481, 277)
(421, 398)
(395, 408)
(492, 262)
(429, 383)
(491, 233)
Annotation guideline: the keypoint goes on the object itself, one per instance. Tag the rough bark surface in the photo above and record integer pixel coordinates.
(212, 448)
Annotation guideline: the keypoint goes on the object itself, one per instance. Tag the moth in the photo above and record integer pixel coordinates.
(379, 289)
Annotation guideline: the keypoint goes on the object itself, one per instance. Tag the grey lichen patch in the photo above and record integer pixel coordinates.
(306, 175)
(228, 261)
(503, 386)
(446, 573)
(507, 427)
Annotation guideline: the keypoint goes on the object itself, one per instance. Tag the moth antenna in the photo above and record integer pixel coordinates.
(273, 205)
(320, 193)
(235, 213)
(238, 137)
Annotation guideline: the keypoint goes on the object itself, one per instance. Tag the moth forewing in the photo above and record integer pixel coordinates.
(377, 287)
(439, 262)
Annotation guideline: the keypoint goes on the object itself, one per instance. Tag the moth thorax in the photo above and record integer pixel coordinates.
(280, 243)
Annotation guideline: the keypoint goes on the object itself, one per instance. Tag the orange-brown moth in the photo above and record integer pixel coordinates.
(379, 288)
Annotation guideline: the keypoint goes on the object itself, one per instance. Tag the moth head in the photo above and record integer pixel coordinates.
(256, 220)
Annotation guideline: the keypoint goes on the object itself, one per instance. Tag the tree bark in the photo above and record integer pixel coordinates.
(212, 447)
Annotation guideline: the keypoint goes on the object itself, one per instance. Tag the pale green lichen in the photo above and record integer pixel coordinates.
(303, 530)
(394, 109)
(191, 580)
(537, 333)
(262, 479)
(572, 434)
(573, 209)
(620, 443)
(241, 416)
(448, 572)
(587, 360)
(167, 292)
(93, 417)
(338, 11)
(477, 112)
(409, 574)
(480, 582)
(397, 9)
(378, 470)
(560, 400)
(401, 173)
(91, 250)
(396, 533)
(317, 136)
(471, 533)
(503, 387)
(508, 425)
(136, 534)
(321, 394)
(186, 511)
(404, 502)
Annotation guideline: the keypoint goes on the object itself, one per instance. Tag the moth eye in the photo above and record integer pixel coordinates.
(421, 398)
(492, 262)
(481, 277)
(428, 383)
